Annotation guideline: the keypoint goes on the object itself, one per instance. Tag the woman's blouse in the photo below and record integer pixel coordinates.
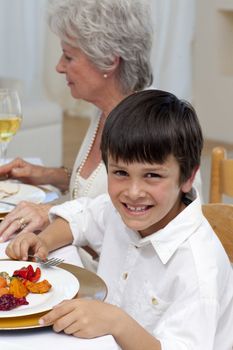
(97, 182)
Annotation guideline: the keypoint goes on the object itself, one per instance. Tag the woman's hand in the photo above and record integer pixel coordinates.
(32, 174)
(83, 318)
(23, 171)
(26, 217)
(19, 247)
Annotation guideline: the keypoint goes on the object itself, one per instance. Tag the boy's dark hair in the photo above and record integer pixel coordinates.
(150, 125)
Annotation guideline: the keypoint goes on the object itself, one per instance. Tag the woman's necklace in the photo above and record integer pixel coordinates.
(94, 173)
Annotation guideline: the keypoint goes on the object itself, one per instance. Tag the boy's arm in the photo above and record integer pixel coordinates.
(69, 224)
(92, 318)
(86, 218)
(132, 336)
(57, 234)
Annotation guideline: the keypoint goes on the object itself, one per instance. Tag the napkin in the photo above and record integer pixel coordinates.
(8, 189)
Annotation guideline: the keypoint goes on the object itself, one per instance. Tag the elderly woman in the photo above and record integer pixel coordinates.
(106, 49)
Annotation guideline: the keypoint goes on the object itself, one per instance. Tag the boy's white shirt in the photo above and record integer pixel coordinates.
(177, 283)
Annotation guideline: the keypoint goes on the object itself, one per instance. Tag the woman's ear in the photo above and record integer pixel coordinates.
(187, 185)
(114, 66)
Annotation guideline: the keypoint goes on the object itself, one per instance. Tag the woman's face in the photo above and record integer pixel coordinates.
(84, 79)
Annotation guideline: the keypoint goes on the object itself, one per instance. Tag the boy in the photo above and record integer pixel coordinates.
(169, 281)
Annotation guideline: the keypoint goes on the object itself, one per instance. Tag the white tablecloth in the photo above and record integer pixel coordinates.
(45, 338)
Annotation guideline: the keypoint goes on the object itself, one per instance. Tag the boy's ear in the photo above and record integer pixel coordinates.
(187, 185)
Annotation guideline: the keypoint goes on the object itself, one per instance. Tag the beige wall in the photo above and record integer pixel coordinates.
(213, 68)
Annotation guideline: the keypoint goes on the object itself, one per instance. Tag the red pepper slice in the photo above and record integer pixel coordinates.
(28, 273)
(36, 275)
(23, 272)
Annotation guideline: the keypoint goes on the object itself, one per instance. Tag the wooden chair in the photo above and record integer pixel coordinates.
(220, 217)
(221, 176)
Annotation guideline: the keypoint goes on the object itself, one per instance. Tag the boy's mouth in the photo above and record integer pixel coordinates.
(138, 208)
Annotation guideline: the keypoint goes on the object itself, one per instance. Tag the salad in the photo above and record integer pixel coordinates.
(15, 288)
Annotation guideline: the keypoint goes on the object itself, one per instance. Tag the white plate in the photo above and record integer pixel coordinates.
(26, 192)
(64, 286)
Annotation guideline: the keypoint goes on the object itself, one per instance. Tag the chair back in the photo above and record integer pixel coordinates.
(221, 176)
(220, 217)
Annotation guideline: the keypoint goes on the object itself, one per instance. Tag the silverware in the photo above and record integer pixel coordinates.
(46, 262)
(8, 203)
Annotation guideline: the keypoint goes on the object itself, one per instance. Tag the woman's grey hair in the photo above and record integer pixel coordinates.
(106, 29)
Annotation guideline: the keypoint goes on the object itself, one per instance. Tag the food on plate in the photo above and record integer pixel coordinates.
(28, 273)
(6, 276)
(9, 302)
(3, 282)
(8, 189)
(3, 291)
(15, 288)
(39, 287)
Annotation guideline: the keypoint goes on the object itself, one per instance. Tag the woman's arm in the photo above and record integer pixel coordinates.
(36, 174)
(56, 235)
(57, 177)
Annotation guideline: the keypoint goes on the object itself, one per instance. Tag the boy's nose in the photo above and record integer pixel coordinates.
(135, 190)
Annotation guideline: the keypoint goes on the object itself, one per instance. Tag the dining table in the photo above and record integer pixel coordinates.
(25, 336)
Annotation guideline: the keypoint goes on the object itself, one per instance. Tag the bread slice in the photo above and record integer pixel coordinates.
(8, 188)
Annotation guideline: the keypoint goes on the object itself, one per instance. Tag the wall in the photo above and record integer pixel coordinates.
(213, 68)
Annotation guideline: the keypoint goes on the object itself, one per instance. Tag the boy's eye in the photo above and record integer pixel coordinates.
(150, 175)
(120, 173)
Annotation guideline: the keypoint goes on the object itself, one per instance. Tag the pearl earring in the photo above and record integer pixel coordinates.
(105, 76)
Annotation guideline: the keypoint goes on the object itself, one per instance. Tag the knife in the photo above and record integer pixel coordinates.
(8, 203)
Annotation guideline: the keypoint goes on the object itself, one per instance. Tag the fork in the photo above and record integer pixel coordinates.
(48, 262)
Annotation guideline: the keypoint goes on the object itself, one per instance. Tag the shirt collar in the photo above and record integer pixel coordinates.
(167, 240)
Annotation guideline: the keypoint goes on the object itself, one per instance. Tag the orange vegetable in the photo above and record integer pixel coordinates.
(3, 282)
(39, 287)
(4, 291)
(17, 288)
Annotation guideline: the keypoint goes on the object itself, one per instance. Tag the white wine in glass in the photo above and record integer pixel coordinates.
(10, 119)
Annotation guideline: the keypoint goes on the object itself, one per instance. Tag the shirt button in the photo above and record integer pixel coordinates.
(154, 301)
(125, 276)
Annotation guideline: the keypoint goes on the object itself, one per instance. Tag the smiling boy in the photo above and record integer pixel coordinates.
(169, 281)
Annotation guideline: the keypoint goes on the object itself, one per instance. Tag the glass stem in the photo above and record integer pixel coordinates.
(3, 150)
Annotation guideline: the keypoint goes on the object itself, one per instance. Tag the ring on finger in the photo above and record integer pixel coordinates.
(22, 223)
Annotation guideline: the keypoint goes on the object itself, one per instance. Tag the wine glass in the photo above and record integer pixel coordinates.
(10, 119)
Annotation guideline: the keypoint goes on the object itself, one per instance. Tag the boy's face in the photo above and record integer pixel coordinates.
(147, 196)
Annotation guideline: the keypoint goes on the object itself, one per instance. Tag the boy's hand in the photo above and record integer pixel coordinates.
(19, 247)
(82, 318)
